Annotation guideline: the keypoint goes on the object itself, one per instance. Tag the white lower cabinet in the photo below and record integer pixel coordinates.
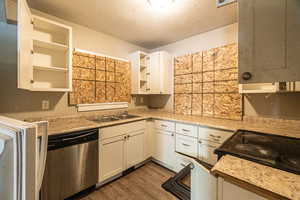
(134, 149)
(111, 157)
(148, 139)
(121, 152)
(164, 148)
(228, 191)
(206, 152)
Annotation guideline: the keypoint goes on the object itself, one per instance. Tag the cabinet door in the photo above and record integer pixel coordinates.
(164, 147)
(25, 56)
(268, 32)
(155, 73)
(111, 161)
(230, 192)
(206, 152)
(134, 149)
(148, 140)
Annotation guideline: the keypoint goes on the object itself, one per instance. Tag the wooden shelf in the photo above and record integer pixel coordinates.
(50, 45)
(51, 89)
(46, 68)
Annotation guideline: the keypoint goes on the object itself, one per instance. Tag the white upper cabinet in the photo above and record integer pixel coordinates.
(44, 53)
(269, 41)
(151, 73)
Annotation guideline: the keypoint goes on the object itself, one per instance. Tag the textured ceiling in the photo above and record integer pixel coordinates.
(137, 22)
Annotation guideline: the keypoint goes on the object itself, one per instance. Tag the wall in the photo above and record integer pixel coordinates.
(20, 103)
(265, 105)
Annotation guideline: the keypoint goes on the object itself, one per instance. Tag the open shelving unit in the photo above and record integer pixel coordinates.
(45, 53)
(141, 64)
(51, 56)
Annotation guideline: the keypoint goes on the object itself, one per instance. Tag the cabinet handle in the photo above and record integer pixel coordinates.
(214, 136)
(128, 136)
(187, 145)
(246, 76)
(183, 165)
(200, 142)
(165, 126)
(31, 81)
(172, 134)
(185, 130)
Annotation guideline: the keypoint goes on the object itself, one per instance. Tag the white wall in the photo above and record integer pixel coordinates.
(215, 38)
(197, 43)
(23, 104)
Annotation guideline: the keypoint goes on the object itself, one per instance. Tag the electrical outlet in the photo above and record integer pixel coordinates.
(45, 104)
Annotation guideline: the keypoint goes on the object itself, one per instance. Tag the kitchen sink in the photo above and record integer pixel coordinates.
(111, 118)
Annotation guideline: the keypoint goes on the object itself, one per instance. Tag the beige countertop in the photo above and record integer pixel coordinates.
(276, 181)
(278, 127)
(270, 179)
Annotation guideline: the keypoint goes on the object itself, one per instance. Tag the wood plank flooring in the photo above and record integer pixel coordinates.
(141, 184)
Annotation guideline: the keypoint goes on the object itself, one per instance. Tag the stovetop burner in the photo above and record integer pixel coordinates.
(272, 150)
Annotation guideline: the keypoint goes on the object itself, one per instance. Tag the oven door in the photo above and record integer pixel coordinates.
(194, 182)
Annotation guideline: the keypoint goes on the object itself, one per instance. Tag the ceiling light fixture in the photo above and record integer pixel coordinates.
(160, 4)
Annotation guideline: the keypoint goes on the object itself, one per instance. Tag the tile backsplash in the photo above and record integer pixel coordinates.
(205, 84)
(98, 79)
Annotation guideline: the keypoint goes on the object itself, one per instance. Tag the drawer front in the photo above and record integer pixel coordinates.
(118, 130)
(206, 152)
(186, 145)
(214, 135)
(164, 125)
(186, 129)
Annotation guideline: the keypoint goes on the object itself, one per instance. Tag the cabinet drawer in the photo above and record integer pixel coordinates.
(186, 145)
(214, 135)
(118, 130)
(164, 125)
(186, 129)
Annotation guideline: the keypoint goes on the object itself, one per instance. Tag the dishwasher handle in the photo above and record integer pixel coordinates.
(69, 139)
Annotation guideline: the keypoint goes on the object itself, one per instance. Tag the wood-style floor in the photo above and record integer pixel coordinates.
(141, 184)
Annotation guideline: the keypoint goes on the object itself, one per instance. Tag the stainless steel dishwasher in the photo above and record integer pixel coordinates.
(72, 164)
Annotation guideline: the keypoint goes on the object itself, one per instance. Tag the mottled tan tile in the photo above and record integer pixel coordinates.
(110, 65)
(208, 76)
(208, 60)
(197, 104)
(197, 77)
(208, 105)
(183, 89)
(183, 104)
(122, 93)
(183, 64)
(100, 63)
(227, 74)
(197, 62)
(208, 87)
(110, 91)
(122, 67)
(197, 88)
(180, 79)
(226, 57)
(228, 106)
(100, 75)
(110, 76)
(100, 92)
(226, 87)
(83, 73)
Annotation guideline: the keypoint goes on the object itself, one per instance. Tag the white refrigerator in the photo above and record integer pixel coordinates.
(23, 150)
